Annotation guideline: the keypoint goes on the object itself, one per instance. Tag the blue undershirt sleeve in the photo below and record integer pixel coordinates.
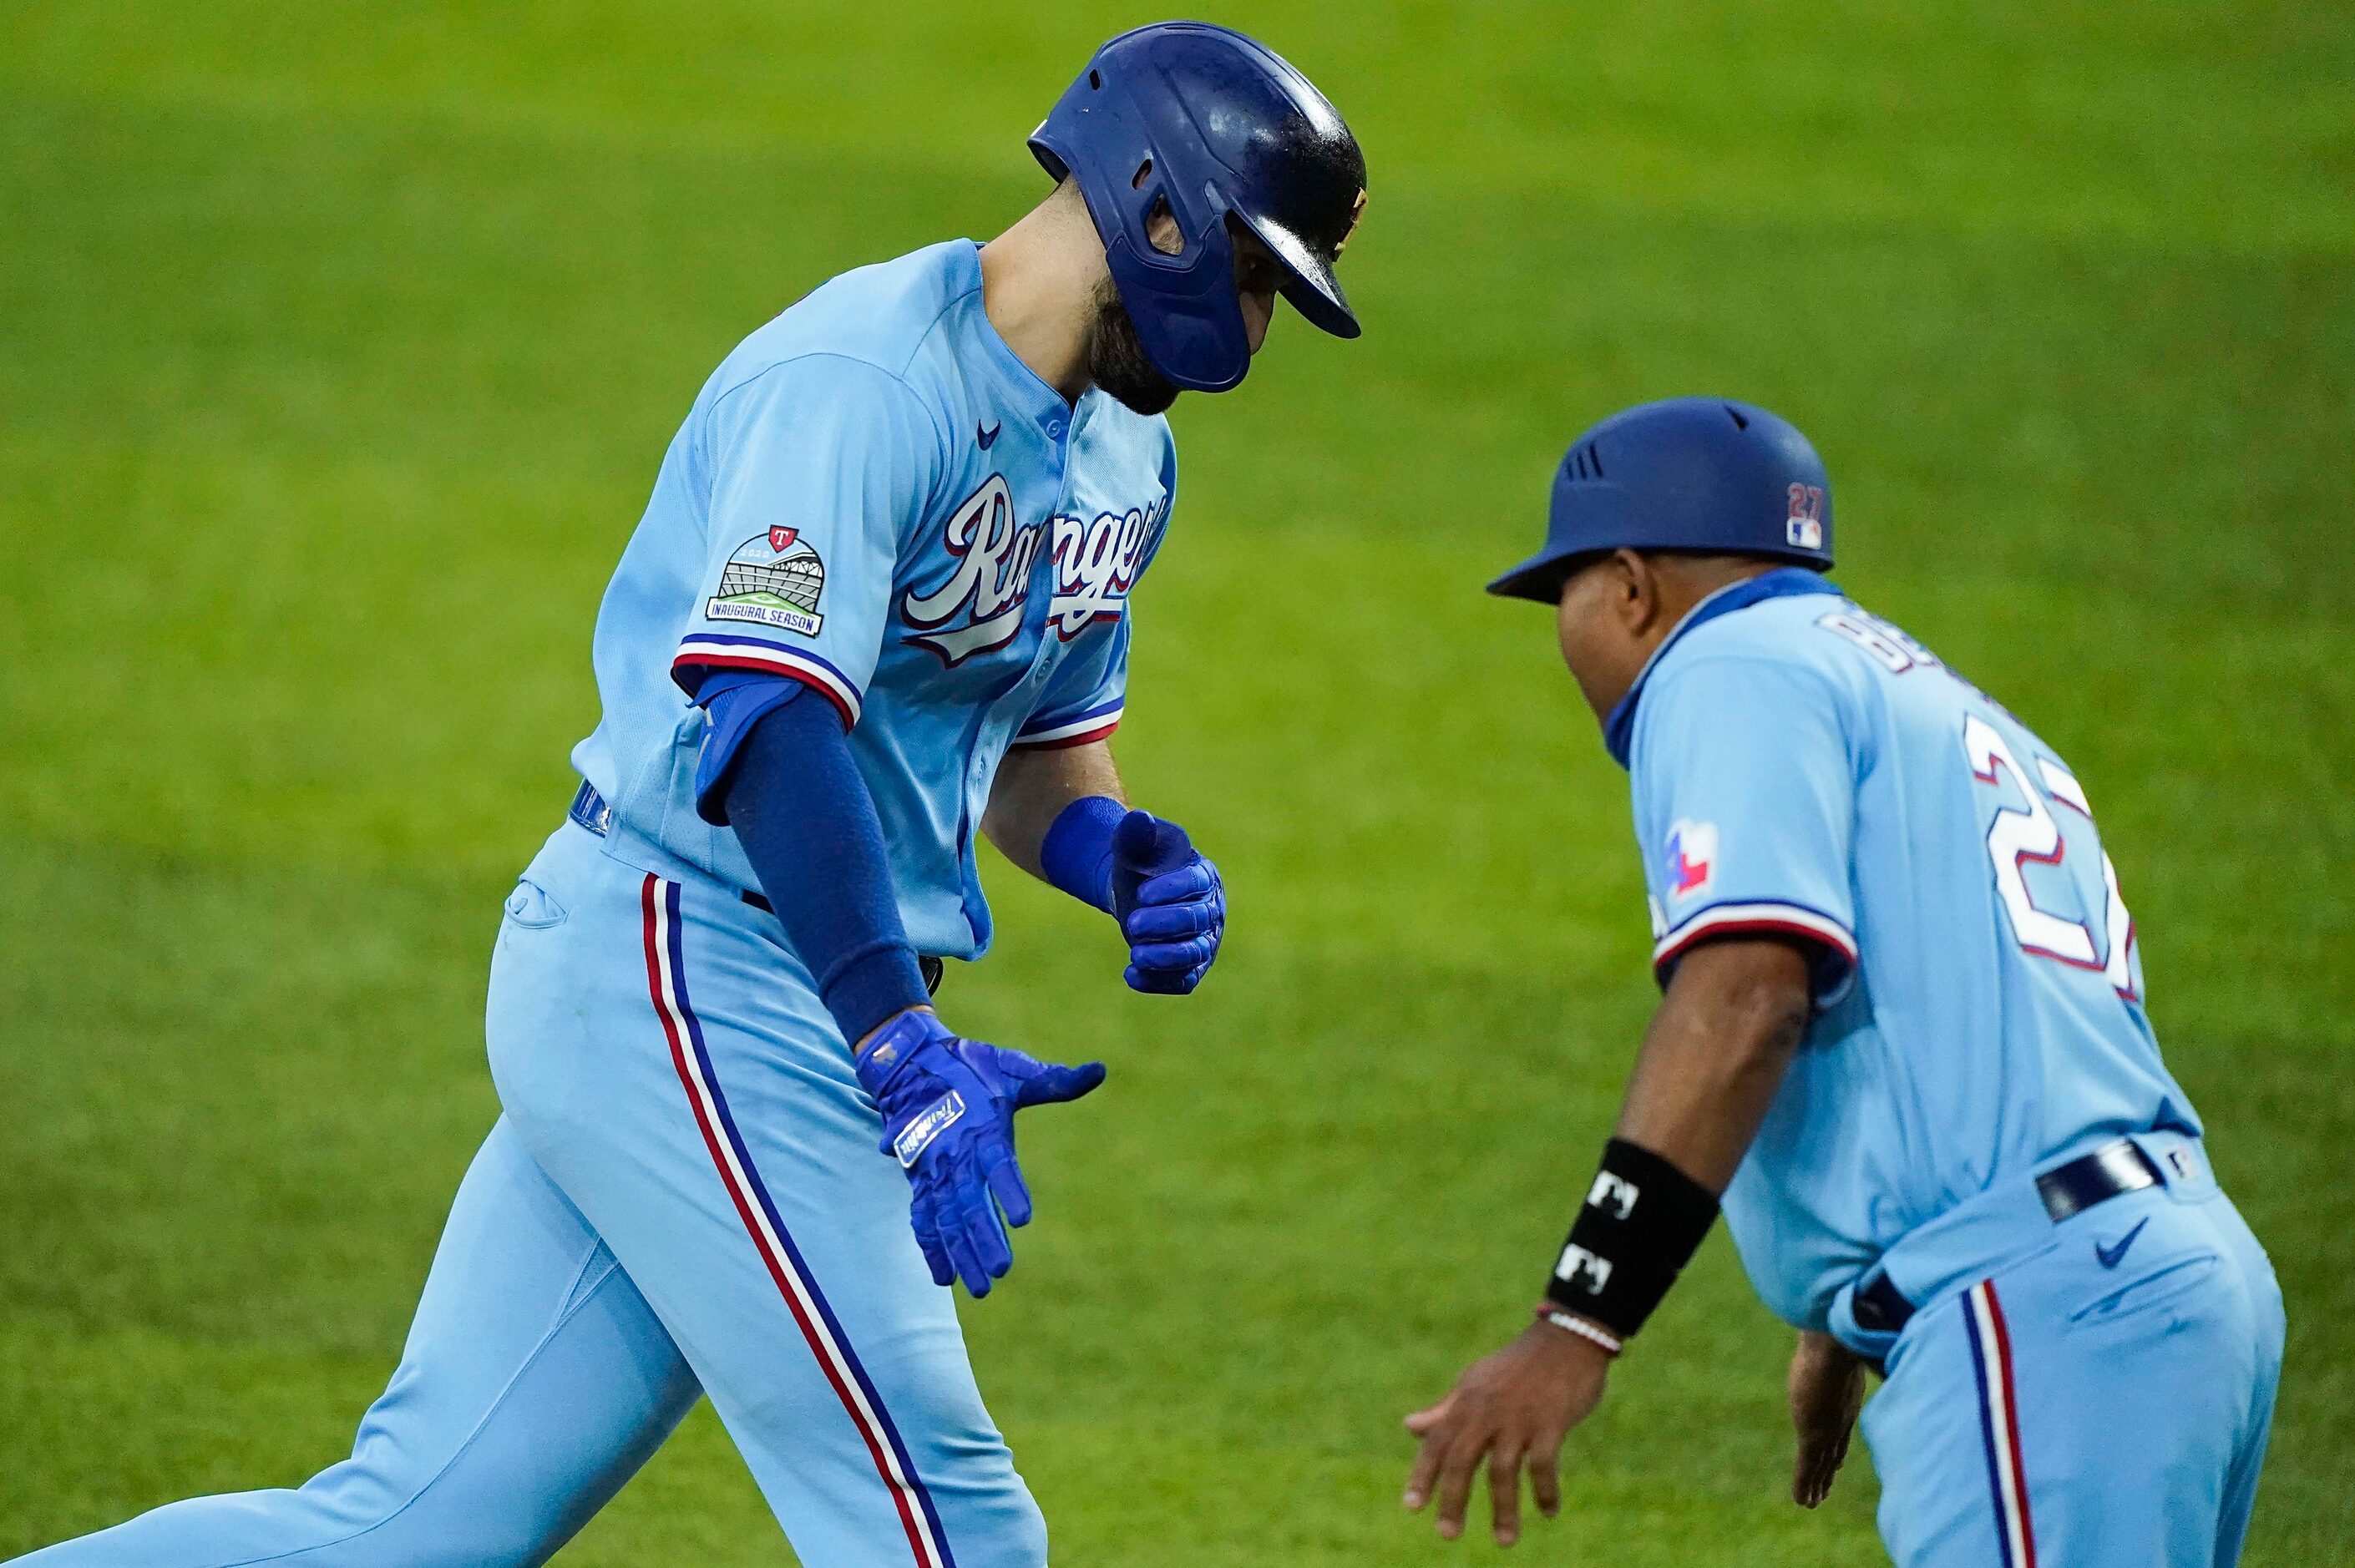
(801, 811)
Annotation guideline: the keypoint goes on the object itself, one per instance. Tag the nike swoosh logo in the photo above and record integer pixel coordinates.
(2108, 1256)
(987, 437)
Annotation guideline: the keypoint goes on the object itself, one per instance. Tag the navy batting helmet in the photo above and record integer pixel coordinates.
(1206, 123)
(1690, 473)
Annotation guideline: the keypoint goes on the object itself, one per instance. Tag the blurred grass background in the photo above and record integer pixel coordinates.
(338, 345)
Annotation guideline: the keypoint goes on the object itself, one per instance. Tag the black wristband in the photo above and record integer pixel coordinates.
(1642, 1221)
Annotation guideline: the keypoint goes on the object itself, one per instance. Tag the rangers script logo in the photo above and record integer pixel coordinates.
(979, 608)
(1095, 564)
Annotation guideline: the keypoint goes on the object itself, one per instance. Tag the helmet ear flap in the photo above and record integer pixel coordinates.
(1193, 331)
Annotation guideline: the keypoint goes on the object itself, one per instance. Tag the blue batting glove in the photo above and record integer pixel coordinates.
(1169, 902)
(948, 1117)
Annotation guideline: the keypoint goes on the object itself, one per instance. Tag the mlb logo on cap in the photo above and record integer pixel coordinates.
(1804, 529)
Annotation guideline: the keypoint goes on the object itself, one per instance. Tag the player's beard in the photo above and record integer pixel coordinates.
(1117, 361)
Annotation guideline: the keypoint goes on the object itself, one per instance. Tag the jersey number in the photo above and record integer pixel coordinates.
(2024, 833)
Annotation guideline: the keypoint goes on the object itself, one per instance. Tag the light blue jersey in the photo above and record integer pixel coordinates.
(874, 496)
(1802, 765)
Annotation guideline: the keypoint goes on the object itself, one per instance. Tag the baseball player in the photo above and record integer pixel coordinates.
(1903, 1042)
(878, 606)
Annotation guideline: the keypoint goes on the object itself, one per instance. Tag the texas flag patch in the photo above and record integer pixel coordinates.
(1691, 858)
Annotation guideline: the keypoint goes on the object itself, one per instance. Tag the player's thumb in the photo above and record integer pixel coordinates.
(1145, 845)
(1053, 1083)
(1142, 847)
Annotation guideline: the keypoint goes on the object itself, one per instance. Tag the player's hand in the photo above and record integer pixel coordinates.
(948, 1118)
(1512, 1407)
(1826, 1386)
(1169, 902)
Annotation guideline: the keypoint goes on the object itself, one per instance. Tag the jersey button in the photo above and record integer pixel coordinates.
(1055, 429)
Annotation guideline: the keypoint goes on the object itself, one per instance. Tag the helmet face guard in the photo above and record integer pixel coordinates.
(1205, 124)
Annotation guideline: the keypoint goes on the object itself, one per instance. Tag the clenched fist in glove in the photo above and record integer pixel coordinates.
(1169, 902)
(1147, 874)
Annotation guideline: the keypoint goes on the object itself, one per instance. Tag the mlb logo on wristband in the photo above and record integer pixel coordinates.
(1613, 1194)
(1578, 1264)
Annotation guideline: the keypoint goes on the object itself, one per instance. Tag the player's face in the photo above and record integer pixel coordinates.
(1258, 276)
(1599, 623)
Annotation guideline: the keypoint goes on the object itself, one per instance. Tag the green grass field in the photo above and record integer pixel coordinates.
(338, 345)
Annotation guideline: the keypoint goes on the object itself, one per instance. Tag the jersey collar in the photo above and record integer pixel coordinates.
(1023, 385)
(1784, 582)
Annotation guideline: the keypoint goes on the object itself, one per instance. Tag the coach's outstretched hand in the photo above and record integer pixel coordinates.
(1169, 902)
(1509, 1408)
(948, 1117)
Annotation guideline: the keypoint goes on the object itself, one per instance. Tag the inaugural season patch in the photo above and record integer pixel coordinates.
(774, 579)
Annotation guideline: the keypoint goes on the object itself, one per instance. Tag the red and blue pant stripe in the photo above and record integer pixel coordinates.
(666, 982)
(1990, 1341)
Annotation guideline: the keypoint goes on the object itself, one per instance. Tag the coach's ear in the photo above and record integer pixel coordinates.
(1612, 611)
(1635, 590)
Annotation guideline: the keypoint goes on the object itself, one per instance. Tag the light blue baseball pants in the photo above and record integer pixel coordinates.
(684, 1196)
(2099, 1399)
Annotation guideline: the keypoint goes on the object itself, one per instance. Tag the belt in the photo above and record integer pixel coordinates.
(2110, 1171)
(591, 810)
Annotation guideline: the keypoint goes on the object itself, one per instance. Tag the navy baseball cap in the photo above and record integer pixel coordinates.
(1690, 473)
